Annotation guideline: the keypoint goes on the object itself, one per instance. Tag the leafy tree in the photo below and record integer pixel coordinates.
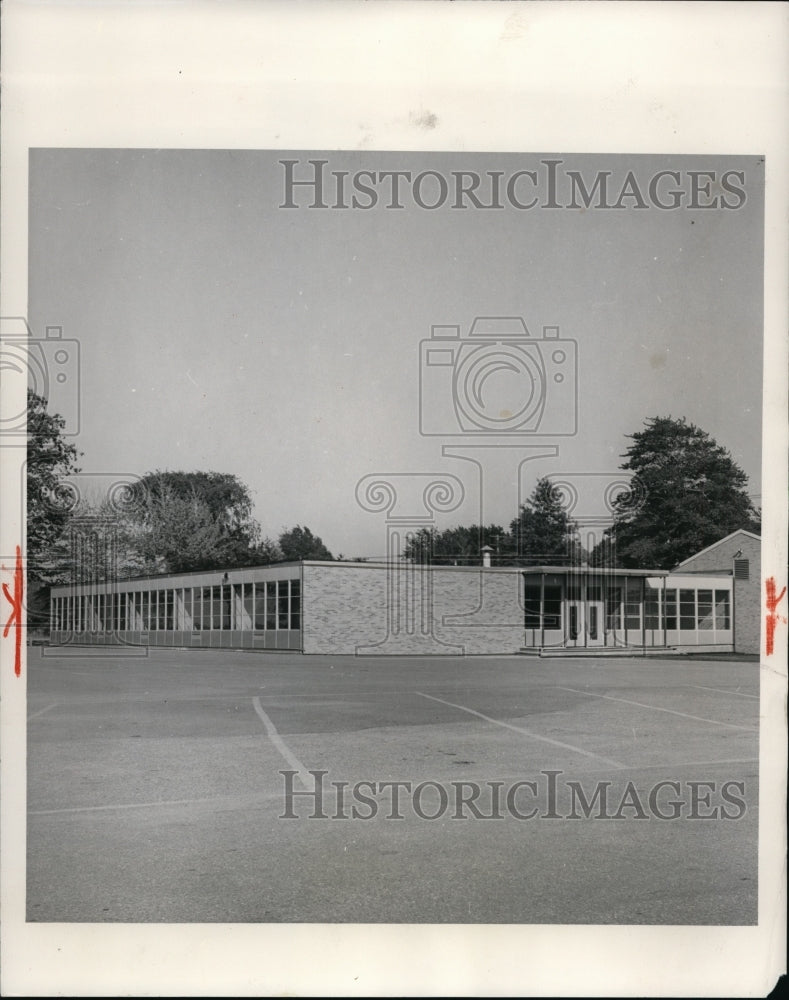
(692, 494)
(265, 552)
(543, 532)
(182, 521)
(300, 543)
(50, 460)
(455, 546)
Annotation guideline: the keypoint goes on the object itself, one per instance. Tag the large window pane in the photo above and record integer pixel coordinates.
(633, 605)
(594, 592)
(687, 609)
(271, 605)
(295, 604)
(704, 610)
(227, 606)
(260, 606)
(670, 610)
(652, 608)
(197, 609)
(248, 616)
(552, 607)
(531, 601)
(722, 614)
(613, 608)
(283, 605)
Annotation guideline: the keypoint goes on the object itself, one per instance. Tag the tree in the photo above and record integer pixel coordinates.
(300, 543)
(543, 532)
(182, 521)
(454, 546)
(50, 460)
(691, 494)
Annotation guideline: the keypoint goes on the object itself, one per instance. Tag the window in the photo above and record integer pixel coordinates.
(271, 605)
(260, 605)
(248, 605)
(613, 608)
(552, 607)
(283, 605)
(722, 614)
(687, 609)
(531, 601)
(670, 609)
(295, 604)
(197, 609)
(227, 607)
(704, 610)
(652, 608)
(633, 604)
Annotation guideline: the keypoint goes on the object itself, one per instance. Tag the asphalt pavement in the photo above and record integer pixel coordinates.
(217, 786)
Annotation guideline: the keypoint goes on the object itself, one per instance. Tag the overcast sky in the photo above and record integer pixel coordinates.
(219, 331)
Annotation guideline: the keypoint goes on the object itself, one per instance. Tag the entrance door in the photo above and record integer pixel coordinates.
(585, 623)
(595, 623)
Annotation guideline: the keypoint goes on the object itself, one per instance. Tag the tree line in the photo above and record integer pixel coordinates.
(686, 493)
(163, 522)
(691, 494)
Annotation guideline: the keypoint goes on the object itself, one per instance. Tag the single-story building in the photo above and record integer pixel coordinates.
(738, 556)
(402, 608)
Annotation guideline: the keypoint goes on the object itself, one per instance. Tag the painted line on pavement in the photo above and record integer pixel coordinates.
(738, 694)
(525, 732)
(124, 805)
(242, 801)
(657, 708)
(41, 711)
(279, 743)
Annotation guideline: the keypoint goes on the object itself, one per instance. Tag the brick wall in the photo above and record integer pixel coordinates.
(346, 610)
(747, 593)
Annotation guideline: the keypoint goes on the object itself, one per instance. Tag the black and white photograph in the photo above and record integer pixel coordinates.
(392, 563)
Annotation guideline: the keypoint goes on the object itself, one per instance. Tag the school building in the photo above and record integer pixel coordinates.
(709, 603)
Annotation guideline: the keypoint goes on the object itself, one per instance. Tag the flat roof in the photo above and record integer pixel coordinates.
(593, 571)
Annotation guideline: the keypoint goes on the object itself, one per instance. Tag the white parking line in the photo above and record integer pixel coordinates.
(525, 732)
(279, 743)
(114, 806)
(41, 711)
(738, 694)
(657, 708)
(241, 801)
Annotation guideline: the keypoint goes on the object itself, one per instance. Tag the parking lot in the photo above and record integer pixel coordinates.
(217, 786)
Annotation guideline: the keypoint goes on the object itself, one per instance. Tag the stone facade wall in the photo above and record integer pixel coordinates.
(411, 610)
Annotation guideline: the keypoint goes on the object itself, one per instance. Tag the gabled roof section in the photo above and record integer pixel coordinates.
(709, 548)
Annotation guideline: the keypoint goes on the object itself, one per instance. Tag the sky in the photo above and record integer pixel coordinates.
(220, 331)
